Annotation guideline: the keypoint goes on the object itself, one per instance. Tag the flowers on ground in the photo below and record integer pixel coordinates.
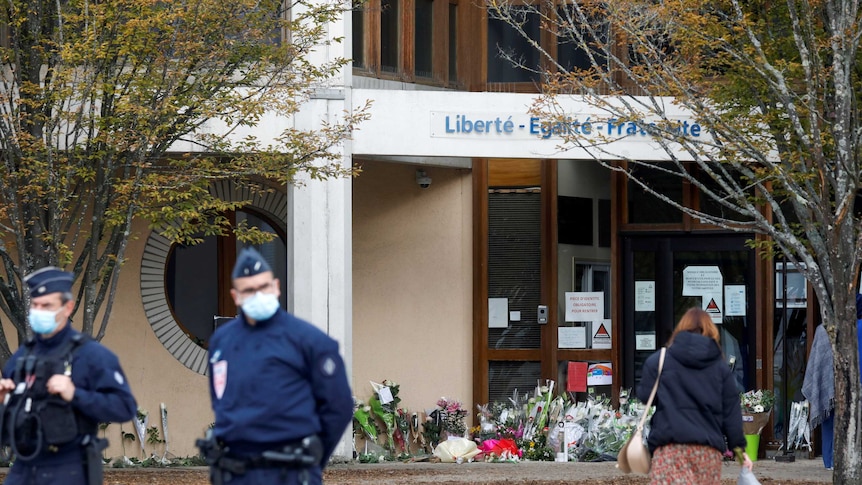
(537, 425)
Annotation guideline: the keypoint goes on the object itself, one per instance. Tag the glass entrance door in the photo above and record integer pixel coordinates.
(663, 276)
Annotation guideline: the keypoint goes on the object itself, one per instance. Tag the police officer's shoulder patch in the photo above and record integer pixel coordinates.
(328, 366)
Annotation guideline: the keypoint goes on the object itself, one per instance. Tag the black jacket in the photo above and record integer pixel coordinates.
(697, 401)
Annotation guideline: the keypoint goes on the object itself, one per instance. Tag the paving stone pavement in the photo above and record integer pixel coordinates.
(800, 471)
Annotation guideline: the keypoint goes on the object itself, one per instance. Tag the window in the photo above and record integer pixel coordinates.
(185, 289)
(505, 45)
(389, 36)
(358, 36)
(575, 46)
(406, 41)
(575, 220)
(422, 38)
(646, 208)
(197, 282)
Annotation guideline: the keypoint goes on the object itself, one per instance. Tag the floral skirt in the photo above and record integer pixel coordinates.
(677, 464)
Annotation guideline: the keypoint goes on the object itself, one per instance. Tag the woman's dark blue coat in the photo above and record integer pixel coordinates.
(697, 401)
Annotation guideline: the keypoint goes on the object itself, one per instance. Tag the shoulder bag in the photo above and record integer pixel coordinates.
(634, 456)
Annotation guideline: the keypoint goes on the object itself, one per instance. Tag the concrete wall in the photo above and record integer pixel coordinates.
(412, 283)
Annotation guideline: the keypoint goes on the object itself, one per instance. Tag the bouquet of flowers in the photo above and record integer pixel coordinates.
(756, 407)
(759, 401)
(452, 416)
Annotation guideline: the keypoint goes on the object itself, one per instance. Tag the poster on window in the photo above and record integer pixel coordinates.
(600, 374)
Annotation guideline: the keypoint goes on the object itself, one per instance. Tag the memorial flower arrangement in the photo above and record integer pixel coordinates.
(756, 407)
(537, 425)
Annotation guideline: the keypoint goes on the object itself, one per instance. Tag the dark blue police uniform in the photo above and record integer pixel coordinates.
(102, 394)
(272, 384)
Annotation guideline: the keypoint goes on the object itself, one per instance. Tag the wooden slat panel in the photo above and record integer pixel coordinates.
(509, 172)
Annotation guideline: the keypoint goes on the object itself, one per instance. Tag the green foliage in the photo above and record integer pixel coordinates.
(153, 436)
(104, 93)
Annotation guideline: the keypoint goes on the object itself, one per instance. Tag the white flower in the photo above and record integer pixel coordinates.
(758, 409)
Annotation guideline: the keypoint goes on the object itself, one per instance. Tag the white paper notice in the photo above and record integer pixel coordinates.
(385, 395)
(701, 280)
(585, 306)
(498, 312)
(515, 316)
(572, 337)
(644, 340)
(644, 296)
(734, 300)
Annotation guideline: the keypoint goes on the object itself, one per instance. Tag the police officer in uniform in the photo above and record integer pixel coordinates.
(56, 389)
(278, 386)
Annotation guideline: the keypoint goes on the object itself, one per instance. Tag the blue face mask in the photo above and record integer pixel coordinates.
(43, 321)
(261, 306)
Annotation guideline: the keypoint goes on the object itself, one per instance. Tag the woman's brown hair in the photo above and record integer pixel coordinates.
(695, 320)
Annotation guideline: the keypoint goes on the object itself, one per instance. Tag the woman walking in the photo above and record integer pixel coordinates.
(697, 414)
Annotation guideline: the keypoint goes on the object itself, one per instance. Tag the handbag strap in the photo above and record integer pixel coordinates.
(654, 389)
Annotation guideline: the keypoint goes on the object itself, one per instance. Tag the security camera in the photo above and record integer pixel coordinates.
(423, 179)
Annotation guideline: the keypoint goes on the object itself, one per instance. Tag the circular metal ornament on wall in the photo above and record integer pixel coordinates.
(153, 288)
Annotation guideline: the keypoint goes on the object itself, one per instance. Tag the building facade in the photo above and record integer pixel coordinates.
(567, 261)
(471, 257)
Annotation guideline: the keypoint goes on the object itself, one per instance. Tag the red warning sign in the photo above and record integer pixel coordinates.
(713, 310)
(712, 306)
(602, 332)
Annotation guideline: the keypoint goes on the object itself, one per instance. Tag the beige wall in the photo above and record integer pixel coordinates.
(154, 374)
(412, 283)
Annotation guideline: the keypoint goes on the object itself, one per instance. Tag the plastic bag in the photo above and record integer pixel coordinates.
(456, 450)
(747, 478)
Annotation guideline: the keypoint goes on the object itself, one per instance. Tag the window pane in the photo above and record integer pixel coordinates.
(502, 36)
(505, 378)
(575, 220)
(191, 284)
(389, 41)
(574, 45)
(192, 278)
(358, 36)
(422, 38)
(647, 208)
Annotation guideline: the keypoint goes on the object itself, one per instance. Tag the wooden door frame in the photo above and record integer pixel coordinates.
(481, 354)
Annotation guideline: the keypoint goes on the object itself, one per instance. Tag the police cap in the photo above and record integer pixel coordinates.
(49, 279)
(249, 263)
